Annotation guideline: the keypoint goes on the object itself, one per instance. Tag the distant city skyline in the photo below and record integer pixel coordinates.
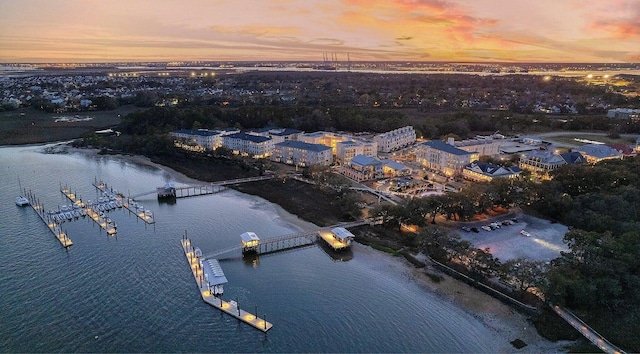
(296, 30)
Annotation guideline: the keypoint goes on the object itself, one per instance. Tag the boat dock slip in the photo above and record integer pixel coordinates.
(232, 307)
(127, 203)
(92, 212)
(53, 226)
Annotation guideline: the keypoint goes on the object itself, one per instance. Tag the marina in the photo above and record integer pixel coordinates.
(53, 226)
(94, 211)
(232, 308)
(128, 203)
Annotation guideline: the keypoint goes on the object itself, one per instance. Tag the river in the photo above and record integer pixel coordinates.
(135, 293)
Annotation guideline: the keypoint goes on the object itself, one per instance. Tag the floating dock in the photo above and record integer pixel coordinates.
(54, 227)
(93, 214)
(232, 307)
(127, 203)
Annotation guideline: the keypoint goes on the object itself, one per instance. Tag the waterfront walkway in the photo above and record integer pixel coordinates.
(588, 332)
(290, 241)
(206, 189)
(229, 307)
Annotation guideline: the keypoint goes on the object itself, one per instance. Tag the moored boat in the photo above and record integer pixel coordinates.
(22, 201)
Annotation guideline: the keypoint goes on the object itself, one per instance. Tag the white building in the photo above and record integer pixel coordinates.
(624, 113)
(248, 145)
(201, 139)
(363, 168)
(299, 153)
(447, 159)
(395, 139)
(343, 146)
(277, 134)
(484, 146)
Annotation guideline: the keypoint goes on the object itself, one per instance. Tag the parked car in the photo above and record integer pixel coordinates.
(486, 228)
(494, 225)
(464, 228)
(524, 233)
(475, 229)
(507, 222)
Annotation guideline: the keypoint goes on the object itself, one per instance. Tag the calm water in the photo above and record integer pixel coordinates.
(135, 293)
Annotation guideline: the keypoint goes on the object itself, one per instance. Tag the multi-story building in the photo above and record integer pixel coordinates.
(196, 140)
(624, 113)
(248, 145)
(483, 171)
(541, 163)
(395, 139)
(444, 158)
(484, 146)
(343, 146)
(363, 168)
(299, 153)
(277, 134)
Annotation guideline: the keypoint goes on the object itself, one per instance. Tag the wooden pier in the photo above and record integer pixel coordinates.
(127, 203)
(102, 222)
(202, 189)
(232, 307)
(287, 242)
(54, 227)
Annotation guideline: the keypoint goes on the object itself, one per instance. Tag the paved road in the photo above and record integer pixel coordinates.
(588, 332)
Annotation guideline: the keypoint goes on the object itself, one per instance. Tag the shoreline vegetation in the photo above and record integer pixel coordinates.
(307, 207)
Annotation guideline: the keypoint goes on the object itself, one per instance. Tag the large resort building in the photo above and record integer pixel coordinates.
(395, 139)
(343, 146)
(594, 153)
(444, 158)
(302, 154)
(200, 139)
(248, 145)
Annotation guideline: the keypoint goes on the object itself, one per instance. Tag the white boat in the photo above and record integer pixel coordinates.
(22, 201)
(112, 205)
(68, 215)
(119, 203)
(76, 214)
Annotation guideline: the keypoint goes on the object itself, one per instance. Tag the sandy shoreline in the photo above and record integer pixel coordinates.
(498, 317)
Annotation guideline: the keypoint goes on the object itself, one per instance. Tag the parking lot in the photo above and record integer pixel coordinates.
(544, 244)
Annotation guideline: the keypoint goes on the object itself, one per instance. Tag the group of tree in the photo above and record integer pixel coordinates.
(598, 277)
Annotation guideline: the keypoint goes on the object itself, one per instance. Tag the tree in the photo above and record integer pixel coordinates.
(524, 274)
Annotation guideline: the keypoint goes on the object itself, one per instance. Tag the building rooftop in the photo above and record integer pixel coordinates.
(573, 157)
(303, 146)
(394, 164)
(598, 151)
(202, 132)
(363, 160)
(342, 234)
(249, 137)
(490, 169)
(442, 146)
(249, 236)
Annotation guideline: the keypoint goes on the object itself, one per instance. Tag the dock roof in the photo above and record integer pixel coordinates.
(342, 233)
(213, 272)
(249, 236)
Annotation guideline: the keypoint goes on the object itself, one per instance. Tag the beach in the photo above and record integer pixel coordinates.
(505, 321)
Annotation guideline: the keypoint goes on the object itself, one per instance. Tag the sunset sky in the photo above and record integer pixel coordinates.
(406, 30)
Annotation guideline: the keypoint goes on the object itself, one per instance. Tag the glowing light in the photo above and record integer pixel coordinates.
(547, 78)
(590, 76)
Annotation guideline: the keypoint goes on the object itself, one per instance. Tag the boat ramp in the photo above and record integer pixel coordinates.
(208, 294)
(52, 225)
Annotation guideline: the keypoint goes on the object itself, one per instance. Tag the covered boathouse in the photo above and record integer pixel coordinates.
(250, 242)
(213, 274)
(338, 238)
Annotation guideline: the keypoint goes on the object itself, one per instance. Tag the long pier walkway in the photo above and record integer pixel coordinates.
(53, 226)
(588, 332)
(93, 214)
(127, 203)
(285, 242)
(209, 188)
(231, 308)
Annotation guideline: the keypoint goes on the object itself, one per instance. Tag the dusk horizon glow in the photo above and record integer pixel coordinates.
(551, 31)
